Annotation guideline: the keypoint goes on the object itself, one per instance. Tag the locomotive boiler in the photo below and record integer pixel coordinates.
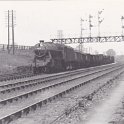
(53, 57)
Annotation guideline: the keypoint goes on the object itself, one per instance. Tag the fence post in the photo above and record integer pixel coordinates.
(3, 47)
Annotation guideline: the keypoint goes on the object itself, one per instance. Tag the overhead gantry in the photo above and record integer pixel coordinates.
(89, 39)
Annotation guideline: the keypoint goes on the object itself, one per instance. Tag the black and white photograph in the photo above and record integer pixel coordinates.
(61, 62)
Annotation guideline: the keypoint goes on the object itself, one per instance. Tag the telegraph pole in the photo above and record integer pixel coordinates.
(13, 43)
(90, 25)
(8, 33)
(10, 25)
(99, 21)
(98, 24)
(81, 23)
(122, 19)
(81, 34)
(60, 34)
(81, 28)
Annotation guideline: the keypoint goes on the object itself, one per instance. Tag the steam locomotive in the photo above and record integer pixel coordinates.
(53, 57)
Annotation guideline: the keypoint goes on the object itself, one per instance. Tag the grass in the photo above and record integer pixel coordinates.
(8, 62)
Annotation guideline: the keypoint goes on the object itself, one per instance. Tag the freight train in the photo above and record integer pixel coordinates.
(53, 57)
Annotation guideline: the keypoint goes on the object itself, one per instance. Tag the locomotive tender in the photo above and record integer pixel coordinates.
(53, 57)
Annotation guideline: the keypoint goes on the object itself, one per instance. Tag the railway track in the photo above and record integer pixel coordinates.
(84, 101)
(51, 77)
(36, 90)
(61, 89)
(14, 76)
(33, 84)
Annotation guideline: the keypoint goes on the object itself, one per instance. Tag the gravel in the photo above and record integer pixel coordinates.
(51, 111)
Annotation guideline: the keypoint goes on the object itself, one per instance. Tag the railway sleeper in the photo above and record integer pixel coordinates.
(20, 97)
(26, 95)
(3, 102)
(6, 120)
(43, 81)
(19, 88)
(82, 103)
(31, 93)
(27, 110)
(16, 99)
(38, 104)
(28, 82)
(8, 90)
(10, 100)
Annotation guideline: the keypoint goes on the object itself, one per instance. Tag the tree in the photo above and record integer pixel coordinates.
(110, 52)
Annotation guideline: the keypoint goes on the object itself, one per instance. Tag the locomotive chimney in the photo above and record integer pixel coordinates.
(41, 41)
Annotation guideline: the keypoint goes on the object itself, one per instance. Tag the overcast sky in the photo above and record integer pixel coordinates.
(40, 20)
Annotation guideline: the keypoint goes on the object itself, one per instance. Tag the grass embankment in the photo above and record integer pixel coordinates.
(9, 62)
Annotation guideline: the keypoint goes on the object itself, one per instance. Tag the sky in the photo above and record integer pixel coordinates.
(40, 20)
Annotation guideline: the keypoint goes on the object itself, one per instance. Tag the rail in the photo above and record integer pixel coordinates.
(84, 100)
(30, 93)
(39, 103)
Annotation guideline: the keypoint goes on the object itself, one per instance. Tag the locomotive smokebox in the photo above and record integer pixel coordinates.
(41, 41)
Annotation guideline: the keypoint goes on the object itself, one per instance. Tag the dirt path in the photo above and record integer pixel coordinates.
(103, 113)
